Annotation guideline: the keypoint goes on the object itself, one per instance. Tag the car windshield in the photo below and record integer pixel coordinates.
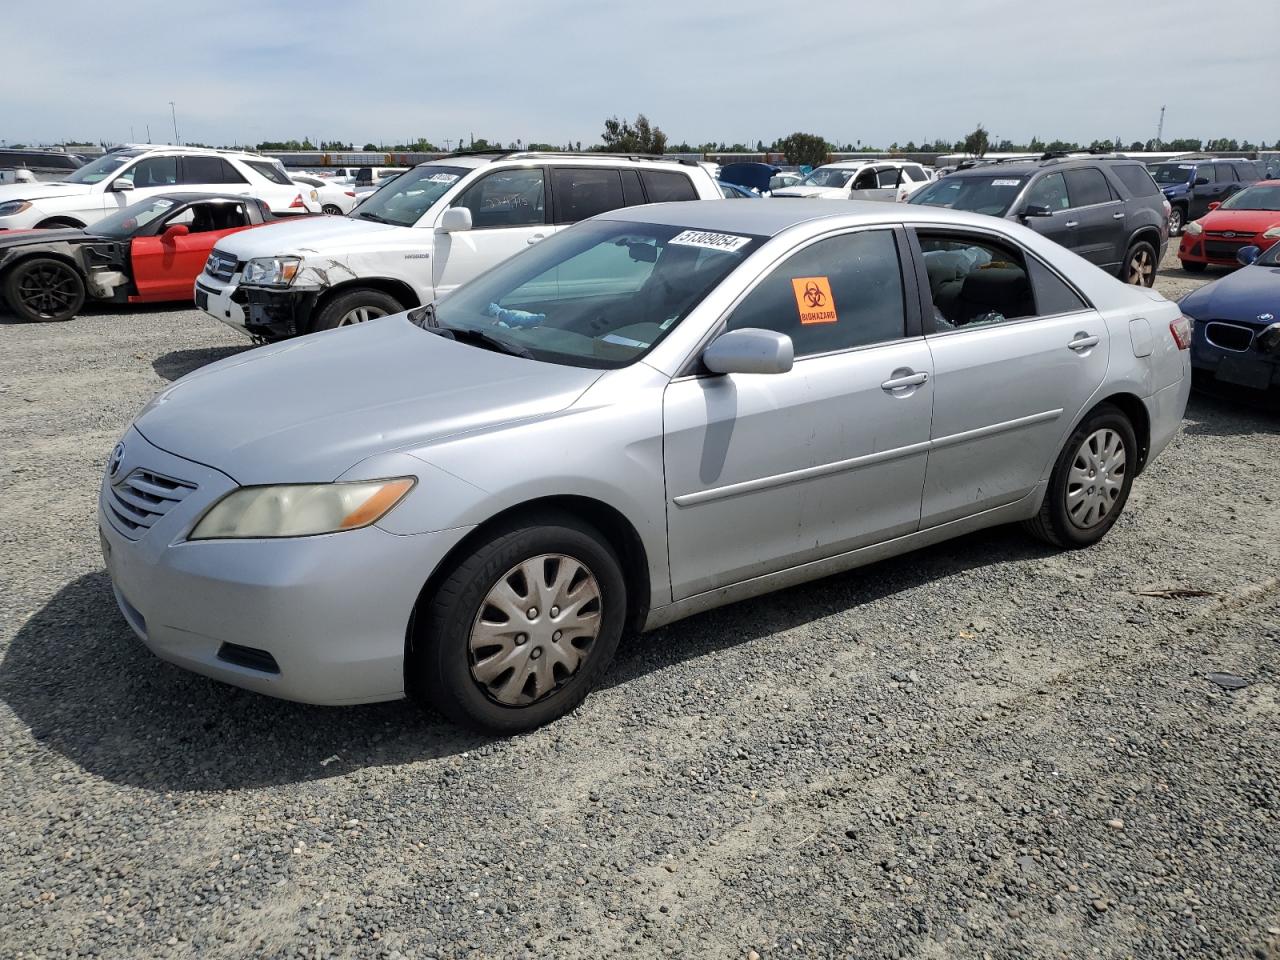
(405, 199)
(826, 177)
(599, 294)
(101, 168)
(991, 194)
(1263, 197)
(1172, 172)
(126, 221)
(1271, 258)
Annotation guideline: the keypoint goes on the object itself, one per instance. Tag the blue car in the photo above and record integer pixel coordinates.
(735, 191)
(1190, 184)
(1236, 324)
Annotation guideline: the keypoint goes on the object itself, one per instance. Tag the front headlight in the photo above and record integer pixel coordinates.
(13, 207)
(1273, 233)
(1194, 229)
(300, 510)
(271, 271)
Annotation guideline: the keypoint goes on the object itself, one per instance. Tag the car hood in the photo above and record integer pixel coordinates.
(1240, 296)
(1174, 188)
(307, 410)
(319, 235)
(1241, 221)
(833, 193)
(22, 238)
(41, 189)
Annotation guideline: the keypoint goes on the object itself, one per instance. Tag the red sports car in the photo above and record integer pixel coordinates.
(1250, 218)
(149, 251)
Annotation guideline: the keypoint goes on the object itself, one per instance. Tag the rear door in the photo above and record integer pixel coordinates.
(1017, 353)
(509, 213)
(766, 472)
(1098, 215)
(211, 175)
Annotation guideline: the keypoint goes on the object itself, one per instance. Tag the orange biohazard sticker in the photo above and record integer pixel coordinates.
(814, 300)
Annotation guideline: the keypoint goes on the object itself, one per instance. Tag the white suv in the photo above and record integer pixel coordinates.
(421, 235)
(136, 172)
(860, 180)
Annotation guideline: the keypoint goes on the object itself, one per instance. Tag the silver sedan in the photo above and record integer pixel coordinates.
(652, 413)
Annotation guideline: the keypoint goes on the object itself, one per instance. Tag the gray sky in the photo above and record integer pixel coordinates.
(552, 71)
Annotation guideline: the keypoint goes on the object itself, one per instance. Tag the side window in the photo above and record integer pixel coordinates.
(508, 198)
(581, 192)
(153, 172)
(1049, 191)
(270, 171)
(1087, 187)
(209, 170)
(664, 187)
(838, 293)
(916, 173)
(1205, 171)
(975, 281)
(866, 180)
(632, 195)
(887, 178)
(1053, 296)
(1227, 173)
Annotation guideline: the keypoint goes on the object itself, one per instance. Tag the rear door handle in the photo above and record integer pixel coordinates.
(1072, 223)
(1083, 341)
(535, 238)
(904, 379)
(1117, 216)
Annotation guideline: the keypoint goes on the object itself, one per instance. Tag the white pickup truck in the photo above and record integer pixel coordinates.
(422, 234)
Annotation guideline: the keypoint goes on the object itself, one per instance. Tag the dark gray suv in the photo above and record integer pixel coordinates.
(1109, 211)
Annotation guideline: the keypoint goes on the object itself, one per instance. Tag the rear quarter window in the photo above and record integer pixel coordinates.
(664, 187)
(269, 170)
(1136, 179)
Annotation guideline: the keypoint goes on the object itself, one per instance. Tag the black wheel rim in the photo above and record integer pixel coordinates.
(49, 290)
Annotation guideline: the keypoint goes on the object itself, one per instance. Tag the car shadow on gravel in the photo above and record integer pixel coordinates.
(178, 363)
(88, 689)
(1225, 411)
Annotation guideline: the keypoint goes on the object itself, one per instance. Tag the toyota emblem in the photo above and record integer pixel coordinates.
(117, 457)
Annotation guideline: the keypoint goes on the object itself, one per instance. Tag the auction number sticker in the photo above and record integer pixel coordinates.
(814, 300)
(711, 241)
(1005, 183)
(442, 178)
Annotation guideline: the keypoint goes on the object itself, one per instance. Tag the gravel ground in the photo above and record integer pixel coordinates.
(986, 749)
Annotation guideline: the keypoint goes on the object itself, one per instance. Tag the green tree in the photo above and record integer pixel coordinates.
(805, 149)
(621, 136)
(976, 143)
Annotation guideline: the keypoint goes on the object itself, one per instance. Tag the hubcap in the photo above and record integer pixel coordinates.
(536, 627)
(1175, 221)
(361, 315)
(1096, 478)
(48, 289)
(1141, 267)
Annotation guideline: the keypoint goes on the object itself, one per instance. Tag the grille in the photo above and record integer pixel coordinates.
(1229, 336)
(1222, 249)
(1236, 235)
(142, 498)
(221, 266)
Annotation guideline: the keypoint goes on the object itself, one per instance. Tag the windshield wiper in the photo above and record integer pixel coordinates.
(481, 339)
(365, 214)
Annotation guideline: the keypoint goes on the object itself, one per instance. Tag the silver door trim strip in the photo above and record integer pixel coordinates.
(854, 463)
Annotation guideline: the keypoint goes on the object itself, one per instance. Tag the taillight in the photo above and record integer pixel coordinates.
(1168, 207)
(1181, 330)
(297, 202)
(349, 193)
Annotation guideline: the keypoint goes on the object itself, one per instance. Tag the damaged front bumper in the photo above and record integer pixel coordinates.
(275, 314)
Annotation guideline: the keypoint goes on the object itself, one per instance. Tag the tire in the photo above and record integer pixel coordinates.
(1177, 220)
(355, 306)
(1193, 266)
(332, 209)
(452, 669)
(44, 289)
(1062, 521)
(1140, 264)
(54, 223)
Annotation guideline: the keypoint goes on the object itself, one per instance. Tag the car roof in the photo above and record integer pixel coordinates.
(780, 214)
(191, 197)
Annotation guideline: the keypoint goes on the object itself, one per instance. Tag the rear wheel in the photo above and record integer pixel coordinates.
(1177, 219)
(332, 209)
(355, 306)
(1193, 266)
(1140, 264)
(1090, 482)
(523, 628)
(44, 289)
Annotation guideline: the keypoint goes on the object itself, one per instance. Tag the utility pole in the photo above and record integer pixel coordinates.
(148, 133)
(1160, 130)
(173, 112)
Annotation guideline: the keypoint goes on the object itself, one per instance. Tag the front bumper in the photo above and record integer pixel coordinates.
(1218, 250)
(323, 619)
(1237, 353)
(223, 300)
(277, 314)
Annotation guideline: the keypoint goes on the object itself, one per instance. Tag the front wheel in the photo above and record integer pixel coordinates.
(1193, 266)
(1090, 482)
(44, 289)
(522, 629)
(355, 306)
(1140, 264)
(1177, 218)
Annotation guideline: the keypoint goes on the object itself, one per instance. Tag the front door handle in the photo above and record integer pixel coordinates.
(902, 379)
(1083, 341)
(1072, 223)
(535, 238)
(1117, 216)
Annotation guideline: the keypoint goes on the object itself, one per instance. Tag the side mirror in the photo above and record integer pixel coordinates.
(1215, 205)
(174, 232)
(1036, 210)
(1246, 255)
(456, 220)
(1201, 182)
(120, 186)
(750, 350)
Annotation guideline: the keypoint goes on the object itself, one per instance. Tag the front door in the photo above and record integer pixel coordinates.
(1202, 194)
(766, 472)
(167, 269)
(1016, 356)
(508, 214)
